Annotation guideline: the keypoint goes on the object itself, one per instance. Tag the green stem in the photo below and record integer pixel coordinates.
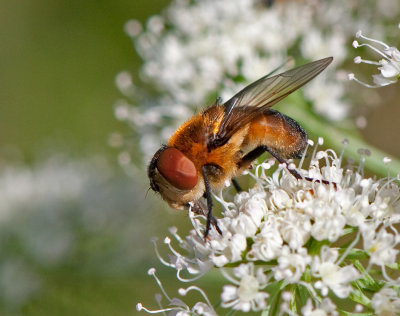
(334, 136)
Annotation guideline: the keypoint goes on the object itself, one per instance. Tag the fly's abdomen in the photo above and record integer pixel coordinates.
(280, 133)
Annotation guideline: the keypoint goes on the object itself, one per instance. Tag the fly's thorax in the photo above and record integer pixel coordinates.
(226, 157)
(197, 129)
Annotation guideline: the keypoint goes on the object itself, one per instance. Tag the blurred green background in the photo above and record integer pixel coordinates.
(58, 62)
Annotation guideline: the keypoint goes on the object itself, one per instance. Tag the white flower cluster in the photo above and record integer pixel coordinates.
(197, 50)
(287, 244)
(53, 210)
(389, 65)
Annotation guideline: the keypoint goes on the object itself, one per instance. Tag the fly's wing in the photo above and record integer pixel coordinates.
(262, 94)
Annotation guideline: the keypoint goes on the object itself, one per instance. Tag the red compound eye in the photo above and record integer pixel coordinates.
(178, 169)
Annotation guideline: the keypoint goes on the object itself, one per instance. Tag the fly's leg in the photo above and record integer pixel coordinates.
(237, 186)
(251, 156)
(199, 208)
(210, 219)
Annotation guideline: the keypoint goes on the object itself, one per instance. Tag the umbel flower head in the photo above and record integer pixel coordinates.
(295, 247)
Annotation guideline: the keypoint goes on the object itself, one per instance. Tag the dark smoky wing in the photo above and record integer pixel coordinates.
(264, 93)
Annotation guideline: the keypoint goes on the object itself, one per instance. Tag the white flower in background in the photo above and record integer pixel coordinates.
(55, 209)
(286, 233)
(326, 97)
(197, 50)
(389, 65)
(247, 294)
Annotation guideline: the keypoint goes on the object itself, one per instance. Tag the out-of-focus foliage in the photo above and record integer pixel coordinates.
(65, 215)
(74, 231)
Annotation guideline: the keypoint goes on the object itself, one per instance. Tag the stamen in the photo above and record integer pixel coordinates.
(174, 232)
(359, 35)
(345, 142)
(304, 153)
(389, 279)
(395, 232)
(180, 278)
(195, 223)
(359, 60)
(363, 152)
(140, 307)
(195, 288)
(228, 277)
(177, 254)
(311, 290)
(314, 153)
(152, 272)
(375, 50)
(349, 248)
(224, 203)
(158, 298)
(259, 174)
(154, 241)
(352, 77)
(333, 156)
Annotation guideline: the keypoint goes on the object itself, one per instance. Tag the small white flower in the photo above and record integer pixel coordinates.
(195, 260)
(291, 265)
(246, 295)
(280, 199)
(227, 248)
(328, 227)
(326, 308)
(201, 308)
(295, 228)
(386, 302)
(389, 65)
(332, 275)
(268, 242)
(175, 305)
(380, 245)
